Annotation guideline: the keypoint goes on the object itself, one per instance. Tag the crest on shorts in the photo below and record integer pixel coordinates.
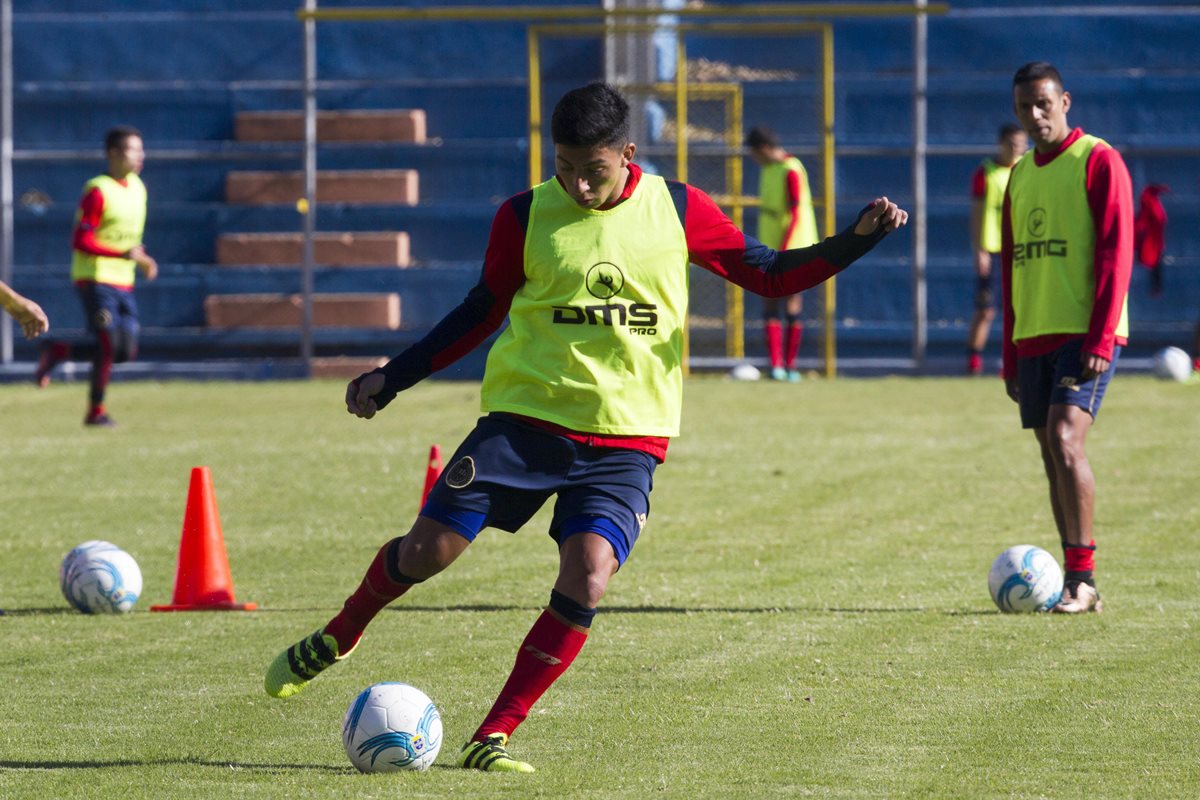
(461, 473)
(103, 319)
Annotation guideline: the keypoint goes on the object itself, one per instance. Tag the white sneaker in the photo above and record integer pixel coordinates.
(1079, 598)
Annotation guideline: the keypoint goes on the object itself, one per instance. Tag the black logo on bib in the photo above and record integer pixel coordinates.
(605, 280)
(1036, 223)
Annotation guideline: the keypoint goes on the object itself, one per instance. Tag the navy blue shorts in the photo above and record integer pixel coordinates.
(1053, 379)
(505, 470)
(108, 308)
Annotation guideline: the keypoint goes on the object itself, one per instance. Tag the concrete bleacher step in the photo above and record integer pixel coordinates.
(393, 186)
(368, 249)
(349, 367)
(386, 125)
(375, 310)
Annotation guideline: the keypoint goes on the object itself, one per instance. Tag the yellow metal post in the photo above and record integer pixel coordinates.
(517, 13)
(735, 317)
(535, 107)
(827, 158)
(681, 155)
(681, 110)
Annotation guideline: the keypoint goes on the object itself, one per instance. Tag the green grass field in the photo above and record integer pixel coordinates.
(806, 614)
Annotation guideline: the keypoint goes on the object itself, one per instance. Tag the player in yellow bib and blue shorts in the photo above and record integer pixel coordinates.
(1067, 257)
(107, 253)
(581, 394)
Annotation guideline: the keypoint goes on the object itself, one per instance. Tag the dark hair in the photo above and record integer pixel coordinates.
(1036, 71)
(761, 137)
(589, 116)
(115, 138)
(1007, 130)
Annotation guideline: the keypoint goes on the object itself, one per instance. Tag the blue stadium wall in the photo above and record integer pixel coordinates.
(181, 75)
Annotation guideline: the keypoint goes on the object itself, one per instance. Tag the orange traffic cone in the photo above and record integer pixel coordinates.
(432, 471)
(202, 578)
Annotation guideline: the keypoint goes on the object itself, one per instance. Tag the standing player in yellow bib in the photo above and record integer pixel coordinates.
(107, 252)
(987, 204)
(582, 392)
(785, 222)
(1066, 263)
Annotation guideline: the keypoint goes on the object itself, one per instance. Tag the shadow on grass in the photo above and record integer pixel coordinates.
(173, 762)
(654, 609)
(604, 609)
(192, 762)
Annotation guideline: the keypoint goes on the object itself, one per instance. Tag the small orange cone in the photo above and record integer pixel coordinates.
(202, 578)
(432, 471)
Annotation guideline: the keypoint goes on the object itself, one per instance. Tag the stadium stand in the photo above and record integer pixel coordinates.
(424, 133)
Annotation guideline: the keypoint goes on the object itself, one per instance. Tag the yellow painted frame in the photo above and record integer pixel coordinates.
(735, 315)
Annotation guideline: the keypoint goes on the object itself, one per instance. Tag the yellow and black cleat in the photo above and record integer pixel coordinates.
(296, 666)
(490, 755)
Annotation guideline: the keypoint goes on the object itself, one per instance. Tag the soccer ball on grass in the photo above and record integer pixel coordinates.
(390, 727)
(1172, 364)
(1025, 578)
(97, 577)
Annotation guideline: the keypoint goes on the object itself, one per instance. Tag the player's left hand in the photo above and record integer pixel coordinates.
(883, 213)
(360, 394)
(1093, 365)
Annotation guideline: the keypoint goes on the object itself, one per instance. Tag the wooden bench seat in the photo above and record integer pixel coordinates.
(385, 125)
(368, 249)
(283, 311)
(383, 186)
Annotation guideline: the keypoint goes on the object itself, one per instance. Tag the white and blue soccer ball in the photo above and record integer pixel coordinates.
(1172, 364)
(391, 727)
(745, 372)
(97, 577)
(1025, 578)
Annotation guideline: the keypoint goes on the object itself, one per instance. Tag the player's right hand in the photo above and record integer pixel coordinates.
(360, 394)
(1012, 386)
(33, 320)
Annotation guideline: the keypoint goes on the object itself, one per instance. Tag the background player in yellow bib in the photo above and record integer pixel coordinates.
(988, 183)
(106, 254)
(785, 221)
(1066, 263)
(582, 392)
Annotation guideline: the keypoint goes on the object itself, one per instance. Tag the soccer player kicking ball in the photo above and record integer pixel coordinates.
(582, 391)
(1066, 260)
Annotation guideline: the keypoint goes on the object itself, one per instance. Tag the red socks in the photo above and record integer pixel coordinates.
(382, 584)
(794, 338)
(1079, 561)
(547, 651)
(774, 333)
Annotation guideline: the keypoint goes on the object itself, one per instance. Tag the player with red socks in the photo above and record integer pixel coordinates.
(581, 393)
(785, 221)
(1066, 261)
(107, 254)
